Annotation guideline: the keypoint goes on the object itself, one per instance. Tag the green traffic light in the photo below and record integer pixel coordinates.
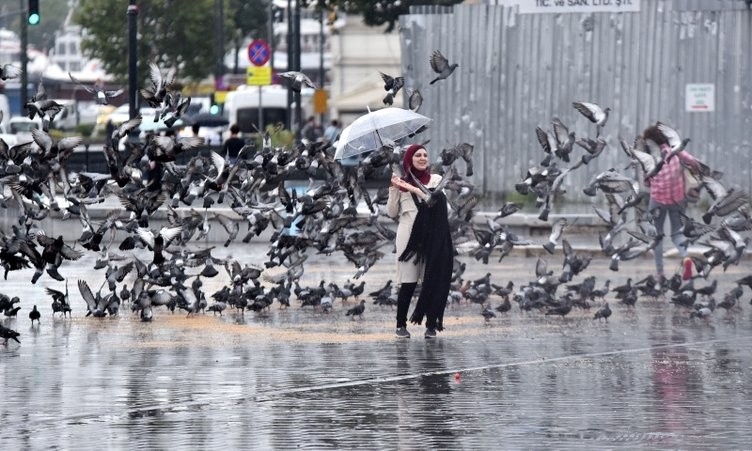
(214, 109)
(33, 18)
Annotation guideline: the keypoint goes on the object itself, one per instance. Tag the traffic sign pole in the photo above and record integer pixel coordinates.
(259, 54)
(261, 115)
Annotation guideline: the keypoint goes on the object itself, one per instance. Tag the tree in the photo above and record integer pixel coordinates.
(172, 34)
(376, 13)
(250, 18)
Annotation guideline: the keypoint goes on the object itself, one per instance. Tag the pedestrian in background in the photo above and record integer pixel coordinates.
(332, 131)
(233, 144)
(668, 198)
(309, 131)
(424, 243)
(109, 128)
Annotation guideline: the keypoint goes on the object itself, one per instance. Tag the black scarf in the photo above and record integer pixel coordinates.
(431, 242)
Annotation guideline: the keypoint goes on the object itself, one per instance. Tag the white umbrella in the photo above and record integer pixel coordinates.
(148, 125)
(376, 128)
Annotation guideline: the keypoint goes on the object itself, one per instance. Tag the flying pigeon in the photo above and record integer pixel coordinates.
(392, 85)
(8, 71)
(594, 113)
(155, 94)
(675, 141)
(296, 80)
(102, 96)
(441, 66)
(415, 100)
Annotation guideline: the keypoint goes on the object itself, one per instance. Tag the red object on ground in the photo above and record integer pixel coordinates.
(687, 270)
(457, 377)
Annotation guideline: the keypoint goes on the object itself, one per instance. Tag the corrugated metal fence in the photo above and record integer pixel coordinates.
(517, 71)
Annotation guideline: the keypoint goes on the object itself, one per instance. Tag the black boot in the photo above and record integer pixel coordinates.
(404, 297)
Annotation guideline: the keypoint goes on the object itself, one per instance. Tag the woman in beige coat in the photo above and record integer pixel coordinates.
(401, 204)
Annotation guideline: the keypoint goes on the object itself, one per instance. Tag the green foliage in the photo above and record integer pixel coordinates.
(283, 138)
(280, 137)
(514, 196)
(172, 34)
(250, 18)
(376, 13)
(84, 130)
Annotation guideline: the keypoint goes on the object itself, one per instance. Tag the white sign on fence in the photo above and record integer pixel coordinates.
(700, 97)
(576, 6)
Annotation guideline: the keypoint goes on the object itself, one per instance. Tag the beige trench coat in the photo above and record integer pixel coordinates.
(400, 205)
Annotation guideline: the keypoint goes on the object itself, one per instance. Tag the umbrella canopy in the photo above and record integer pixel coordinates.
(207, 120)
(148, 125)
(371, 131)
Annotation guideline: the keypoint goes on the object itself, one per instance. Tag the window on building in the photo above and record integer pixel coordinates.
(72, 48)
(61, 48)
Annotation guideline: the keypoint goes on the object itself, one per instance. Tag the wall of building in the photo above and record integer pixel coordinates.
(359, 52)
(517, 71)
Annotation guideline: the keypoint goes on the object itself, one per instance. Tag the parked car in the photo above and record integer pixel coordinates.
(122, 114)
(9, 138)
(21, 127)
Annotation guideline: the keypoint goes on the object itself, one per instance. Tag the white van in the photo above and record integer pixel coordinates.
(4, 110)
(9, 138)
(242, 106)
(67, 118)
(21, 126)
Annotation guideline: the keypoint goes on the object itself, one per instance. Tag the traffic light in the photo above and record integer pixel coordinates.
(214, 107)
(33, 16)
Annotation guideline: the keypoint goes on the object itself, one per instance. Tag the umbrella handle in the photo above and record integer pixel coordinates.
(397, 170)
(421, 186)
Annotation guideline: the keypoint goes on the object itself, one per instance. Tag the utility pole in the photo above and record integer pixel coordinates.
(296, 39)
(24, 57)
(290, 62)
(271, 35)
(219, 44)
(322, 42)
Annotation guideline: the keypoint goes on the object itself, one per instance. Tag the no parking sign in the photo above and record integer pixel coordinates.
(259, 52)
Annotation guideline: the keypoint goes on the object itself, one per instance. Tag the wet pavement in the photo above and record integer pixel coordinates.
(649, 378)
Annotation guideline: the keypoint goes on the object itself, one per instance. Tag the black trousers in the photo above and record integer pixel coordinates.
(404, 297)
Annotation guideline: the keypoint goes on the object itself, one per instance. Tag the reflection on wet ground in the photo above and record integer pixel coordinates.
(651, 377)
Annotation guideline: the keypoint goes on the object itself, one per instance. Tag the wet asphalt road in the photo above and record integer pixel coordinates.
(649, 378)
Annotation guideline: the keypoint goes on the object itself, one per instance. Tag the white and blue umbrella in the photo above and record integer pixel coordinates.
(377, 128)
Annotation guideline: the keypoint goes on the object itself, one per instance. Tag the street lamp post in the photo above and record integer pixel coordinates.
(24, 57)
(296, 55)
(132, 59)
(290, 62)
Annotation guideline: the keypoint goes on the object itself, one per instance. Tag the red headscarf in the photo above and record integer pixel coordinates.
(407, 164)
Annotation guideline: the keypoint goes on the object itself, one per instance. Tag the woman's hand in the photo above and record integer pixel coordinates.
(399, 183)
(396, 182)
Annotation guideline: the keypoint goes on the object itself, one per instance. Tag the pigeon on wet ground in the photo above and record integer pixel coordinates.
(7, 333)
(357, 310)
(34, 315)
(488, 312)
(603, 312)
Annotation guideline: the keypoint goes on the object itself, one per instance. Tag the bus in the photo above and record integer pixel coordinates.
(242, 106)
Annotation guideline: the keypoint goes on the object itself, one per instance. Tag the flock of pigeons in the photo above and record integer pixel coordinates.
(321, 219)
